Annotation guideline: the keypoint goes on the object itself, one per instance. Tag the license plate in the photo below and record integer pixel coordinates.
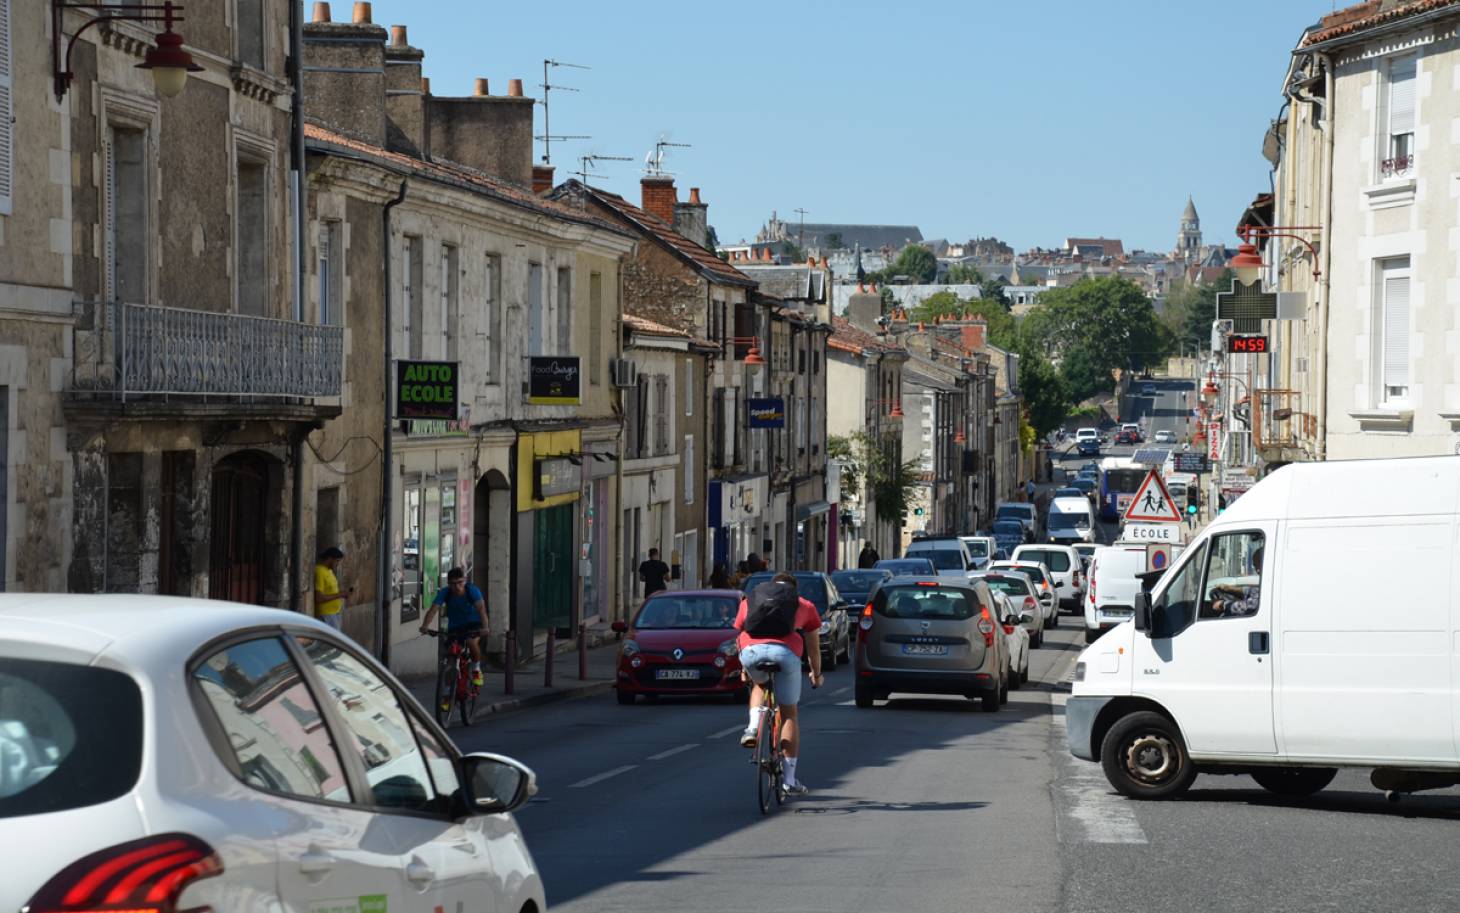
(1117, 613)
(925, 649)
(676, 674)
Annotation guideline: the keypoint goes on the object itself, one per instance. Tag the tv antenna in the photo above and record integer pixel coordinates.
(547, 136)
(801, 230)
(654, 161)
(586, 163)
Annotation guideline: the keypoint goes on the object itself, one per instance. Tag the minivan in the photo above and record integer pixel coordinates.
(1257, 654)
(1065, 569)
(1070, 520)
(949, 555)
(1110, 595)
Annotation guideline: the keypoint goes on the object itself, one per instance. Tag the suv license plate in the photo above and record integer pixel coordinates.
(676, 674)
(925, 649)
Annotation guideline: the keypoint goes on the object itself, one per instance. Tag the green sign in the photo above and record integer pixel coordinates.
(426, 389)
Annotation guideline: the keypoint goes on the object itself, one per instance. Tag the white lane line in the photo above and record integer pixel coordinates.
(1087, 809)
(603, 776)
(688, 746)
(724, 732)
(840, 691)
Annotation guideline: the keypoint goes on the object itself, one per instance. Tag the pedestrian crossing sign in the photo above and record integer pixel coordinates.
(1152, 502)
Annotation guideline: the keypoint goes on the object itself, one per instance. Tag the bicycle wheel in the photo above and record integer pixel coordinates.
(778, 766)
(767, 758)
(445, 695)
(467, 701)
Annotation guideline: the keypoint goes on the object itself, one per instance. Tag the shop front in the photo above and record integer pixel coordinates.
(549, 485)
(735, 511)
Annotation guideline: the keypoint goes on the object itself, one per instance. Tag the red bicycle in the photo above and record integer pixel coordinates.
(453, 679)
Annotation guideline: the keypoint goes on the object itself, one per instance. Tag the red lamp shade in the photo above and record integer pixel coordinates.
(169, 63)
(896, 410)
(753, 356)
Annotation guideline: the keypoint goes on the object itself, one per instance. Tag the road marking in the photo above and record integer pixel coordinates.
(840, 691)
(674, 751)
(724, 732)
(1087, 810)
(603, 776)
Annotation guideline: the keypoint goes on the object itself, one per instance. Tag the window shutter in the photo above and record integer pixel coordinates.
(1396, 331)
(7, 144)
(109, 217)
(661, 414)
(1401, 96)
(688, 465)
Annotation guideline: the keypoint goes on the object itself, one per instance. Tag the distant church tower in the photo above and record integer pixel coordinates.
(1188, 240)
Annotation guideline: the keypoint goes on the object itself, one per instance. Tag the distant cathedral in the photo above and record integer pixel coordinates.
(1188, 239)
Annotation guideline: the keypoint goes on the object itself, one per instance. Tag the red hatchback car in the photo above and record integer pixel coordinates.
(681, 642)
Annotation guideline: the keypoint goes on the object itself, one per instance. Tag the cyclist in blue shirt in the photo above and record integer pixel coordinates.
(465, 615)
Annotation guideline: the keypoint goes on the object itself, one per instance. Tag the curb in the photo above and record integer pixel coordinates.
(509, 704)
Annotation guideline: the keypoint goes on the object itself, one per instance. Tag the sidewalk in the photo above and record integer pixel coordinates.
(528, 687)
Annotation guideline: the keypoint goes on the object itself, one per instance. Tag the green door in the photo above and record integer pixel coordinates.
(553, 574)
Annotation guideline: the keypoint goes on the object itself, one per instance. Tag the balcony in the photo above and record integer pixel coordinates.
(1281, 431)
(145, 354)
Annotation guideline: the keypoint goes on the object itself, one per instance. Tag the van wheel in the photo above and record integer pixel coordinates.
(1144, 757)
(1091, 636)
(864, 694)
(1294, 781)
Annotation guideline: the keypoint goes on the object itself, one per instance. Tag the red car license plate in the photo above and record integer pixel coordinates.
(677, 674)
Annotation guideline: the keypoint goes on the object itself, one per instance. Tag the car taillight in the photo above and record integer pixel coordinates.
(865, 624)
(1030, 602)
(141, 876)
(1008, 629)
(986, 628)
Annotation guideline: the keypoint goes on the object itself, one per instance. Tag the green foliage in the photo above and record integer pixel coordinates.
(963, 274)
(1190, 310)
(712, 240)
(1027, 437)
(1094, 327)
(1047, 398)
(916, 262)
(939, 304)
(834, 241)
(993, 290)
(789, 250)
(890, 484)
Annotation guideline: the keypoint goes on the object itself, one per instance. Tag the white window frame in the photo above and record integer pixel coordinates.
(450, 308)
(412, 314)
(536, 309)
(1387, 395)
(7, 111)
(256, 151)
(688, 464)
(1390, 153)
(689, 387)
(329, 272)
(563, 310)
(595, 328)
(491, 315)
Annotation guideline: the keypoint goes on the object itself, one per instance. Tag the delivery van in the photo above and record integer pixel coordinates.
(1110, 594)
(1261, 653)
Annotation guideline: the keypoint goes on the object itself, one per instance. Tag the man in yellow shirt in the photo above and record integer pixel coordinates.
(328, 600)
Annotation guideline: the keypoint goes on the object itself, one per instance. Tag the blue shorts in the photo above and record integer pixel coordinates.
(788, 679)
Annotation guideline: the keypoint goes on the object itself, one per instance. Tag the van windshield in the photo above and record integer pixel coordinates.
(1067, 521)
(978, 548)
(1050, 558)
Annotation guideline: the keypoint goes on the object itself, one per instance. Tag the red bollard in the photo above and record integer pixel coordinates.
(547, 663)
(510, 649)
(582, 652)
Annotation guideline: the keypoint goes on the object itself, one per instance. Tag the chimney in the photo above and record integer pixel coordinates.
(658, 196)
(344, 73)
(973, 334)
(691, 219)
(491, 133)
(863, 309)
(542, 179)
(405, 103)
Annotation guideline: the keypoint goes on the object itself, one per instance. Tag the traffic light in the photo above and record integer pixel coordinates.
(917, 511)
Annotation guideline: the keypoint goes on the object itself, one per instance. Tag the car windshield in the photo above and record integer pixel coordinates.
(944, 559)
(978, 548)
(1070, 492)
(857, 581)
(664, 612)
(1009, 586)
(905, 566)
(808, 587)
(1031, 571)
(1067, 521)
(1008, 528)
(1012, 512)
(924, 602)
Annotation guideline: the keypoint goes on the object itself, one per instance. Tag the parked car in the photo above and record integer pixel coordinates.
(980, 548)
(932, 637)
(166, 754)
(1023, 511)
(1070, 520)
(1044, 585)
(836, 626)
(949, 555)
(681, 642)
(1165, 436)
(856, 585)
(1062, 563)
(1020, 591)
(1111, 593)
(907, 567)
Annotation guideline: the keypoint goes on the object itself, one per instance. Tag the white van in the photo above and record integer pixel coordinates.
(1258, 654)
(1110, 595)
(1070, 520)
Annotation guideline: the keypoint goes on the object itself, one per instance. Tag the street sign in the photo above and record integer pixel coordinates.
(426, 390)
(554, 380)
(1247, 306)
(1158, 557)
(1214, 441)
(1152, 502)
(1148, 533)
(1187, 461)
(766, 412)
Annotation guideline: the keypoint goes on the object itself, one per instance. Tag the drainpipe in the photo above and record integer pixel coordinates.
(387, 459)
(616, 402)
(1323, 307)
(296, 192)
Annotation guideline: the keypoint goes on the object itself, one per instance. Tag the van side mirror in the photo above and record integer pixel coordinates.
(1142, 619)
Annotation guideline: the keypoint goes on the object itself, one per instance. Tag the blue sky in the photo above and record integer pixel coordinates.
(1029, 121)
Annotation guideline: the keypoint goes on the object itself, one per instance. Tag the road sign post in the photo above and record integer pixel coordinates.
(1158, 557)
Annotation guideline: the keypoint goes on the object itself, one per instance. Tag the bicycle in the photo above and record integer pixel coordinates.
(453, 680)
(768, 757)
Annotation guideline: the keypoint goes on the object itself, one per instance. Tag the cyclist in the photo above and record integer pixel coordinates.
(465, 615)
(786, 649)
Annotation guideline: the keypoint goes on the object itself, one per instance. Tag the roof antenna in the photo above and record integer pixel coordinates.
(654, 161)
(547, 136)
(586, 162)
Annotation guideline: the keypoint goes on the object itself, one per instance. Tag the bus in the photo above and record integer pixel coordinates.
(1120, 478)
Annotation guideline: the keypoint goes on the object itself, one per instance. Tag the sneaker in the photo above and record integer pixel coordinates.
(476, 677)
(747, 738)
(445, 706)
(796, 789)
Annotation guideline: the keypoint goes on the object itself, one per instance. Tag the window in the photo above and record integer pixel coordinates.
(732, 425)
(689, 469)
(276, 734)
(661, 414)
(7, 144)
(492, 296)
(128, 226)
(535, 317)
(450, 315)
(689, 387)
(717, 429)
(250, 31)
(331, 278)
(1233, 584)
(379, 731)
(253, 238)
(1392, 331)
(565, 311)
(595, 328)
(412, 312)
(744, 330)
(438, 760)
(1398, 156)
(1177, 605)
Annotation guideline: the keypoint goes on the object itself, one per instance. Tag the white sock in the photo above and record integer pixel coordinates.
(789, 765)
(755, 714)
(476, 667)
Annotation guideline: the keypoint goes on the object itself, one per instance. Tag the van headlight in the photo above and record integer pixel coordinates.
(1079, 672)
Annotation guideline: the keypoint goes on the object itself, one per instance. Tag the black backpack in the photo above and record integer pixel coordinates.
(771, 610)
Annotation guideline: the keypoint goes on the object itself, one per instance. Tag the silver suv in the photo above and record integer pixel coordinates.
(932, 637)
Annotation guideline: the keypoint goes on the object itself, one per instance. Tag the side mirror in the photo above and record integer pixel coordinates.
(1142, 617)
(496, 784)
(620, 626)
(1026, 618)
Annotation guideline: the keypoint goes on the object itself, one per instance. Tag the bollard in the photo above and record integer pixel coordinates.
(582, 652)
(510, 645)
(547, 663)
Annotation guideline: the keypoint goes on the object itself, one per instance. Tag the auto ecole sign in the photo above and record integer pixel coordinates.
(1152, 503)
(426, 389)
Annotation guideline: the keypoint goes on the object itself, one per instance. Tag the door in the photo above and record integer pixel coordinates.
(553, 575)
(1210, 661)
(240, 496)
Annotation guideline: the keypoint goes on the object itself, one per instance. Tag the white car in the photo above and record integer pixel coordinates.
(1043, 586)
(1065, 570)
(981, 549)
(949, 555)
(1111, 595)
(1020, 592)
(1165, 436)
(164, 754)
(1016, 635)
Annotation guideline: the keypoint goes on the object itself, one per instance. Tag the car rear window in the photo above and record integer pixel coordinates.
(924, 602)
(943, 558)
(978, 548)
(857, 581)
(1010, 586)
(70, 736)
(1013, 512)
(1032, 571)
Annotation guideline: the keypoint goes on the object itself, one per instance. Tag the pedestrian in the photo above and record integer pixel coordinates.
(328, 600)
(1029, 490)
(719, 577)
(653, 573)
(869, 557)
(742, 570)
(755, 563)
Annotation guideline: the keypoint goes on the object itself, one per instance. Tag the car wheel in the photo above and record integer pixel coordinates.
(1144, 757)
(1091, 635)
(828, 659)
(864, 694)
(989, 701)
(625, 697)
(1294, 781)
(1054, 621)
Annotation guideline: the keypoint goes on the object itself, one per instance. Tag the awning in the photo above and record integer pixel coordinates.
(803, 511)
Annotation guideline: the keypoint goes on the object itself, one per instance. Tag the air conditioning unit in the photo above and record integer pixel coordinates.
(623, 372)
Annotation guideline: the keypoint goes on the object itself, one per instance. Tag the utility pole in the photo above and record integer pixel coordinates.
(547, 136)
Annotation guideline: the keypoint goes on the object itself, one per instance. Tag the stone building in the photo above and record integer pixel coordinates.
(797, 528)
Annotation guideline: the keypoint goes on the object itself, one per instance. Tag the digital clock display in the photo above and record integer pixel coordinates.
(1247, 344)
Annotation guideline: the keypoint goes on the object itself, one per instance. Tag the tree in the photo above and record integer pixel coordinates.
(712, 240)
(1094, 327)
(1046, 394)
(791, 252)
(993, 290)
(1190, 310)
(939, 304)
(963, 274)
(916, 262)
(865, 459)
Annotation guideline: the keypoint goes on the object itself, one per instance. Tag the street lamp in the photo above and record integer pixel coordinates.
(753, 357)
(1210, 392)
(169, 63)
(1247, 264)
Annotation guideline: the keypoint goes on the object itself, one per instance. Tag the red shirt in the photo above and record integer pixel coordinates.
(807, 619)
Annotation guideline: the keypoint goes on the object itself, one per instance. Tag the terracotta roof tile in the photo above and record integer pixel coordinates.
(1365, 15)
(848, 338)
(645, 325)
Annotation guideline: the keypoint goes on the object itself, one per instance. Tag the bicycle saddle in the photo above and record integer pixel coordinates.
(767, 665)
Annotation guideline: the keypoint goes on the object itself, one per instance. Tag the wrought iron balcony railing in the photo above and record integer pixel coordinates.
(146, 350)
